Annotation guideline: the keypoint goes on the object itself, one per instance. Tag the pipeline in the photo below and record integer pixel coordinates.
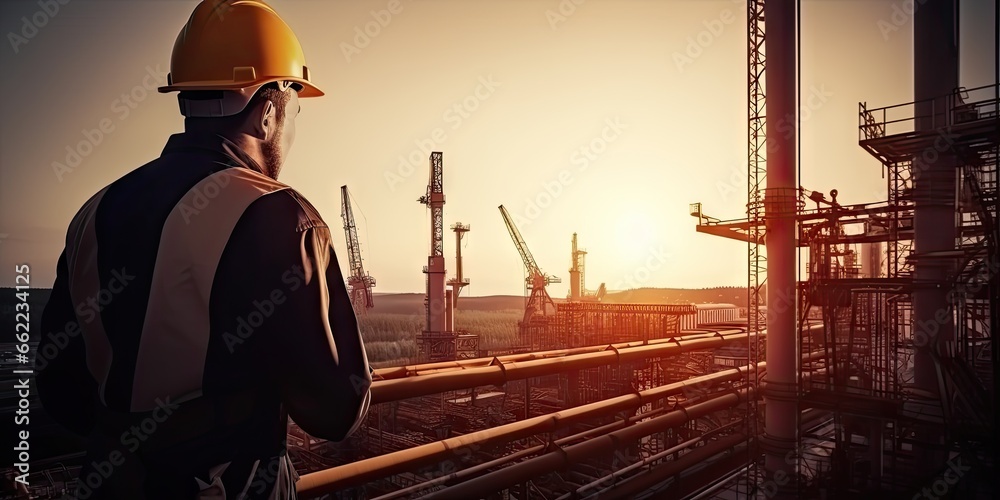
(485, 466)
(364, 471)
(614, 477)
(444, 366)
(499, 373)
(649, 478)
(598, 446)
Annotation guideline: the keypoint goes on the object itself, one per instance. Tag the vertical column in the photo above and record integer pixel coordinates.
(935, 74)
(780, 417)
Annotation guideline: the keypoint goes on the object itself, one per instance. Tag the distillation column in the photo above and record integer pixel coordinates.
(780, 196)
(935, 74)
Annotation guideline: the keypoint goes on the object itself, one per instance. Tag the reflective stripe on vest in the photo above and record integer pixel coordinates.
(175, 333)
(84, 283)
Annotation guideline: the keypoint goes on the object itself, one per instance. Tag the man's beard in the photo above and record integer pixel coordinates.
(273, 157)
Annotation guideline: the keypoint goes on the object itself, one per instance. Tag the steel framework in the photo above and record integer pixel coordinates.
(359, 282)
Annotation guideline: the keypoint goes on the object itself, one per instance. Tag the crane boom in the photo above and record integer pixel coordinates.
(522, 247)
(359, 283)
(539, 302)
(351, 232)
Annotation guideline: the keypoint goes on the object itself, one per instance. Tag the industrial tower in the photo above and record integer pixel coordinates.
(359, 282)
(577, 275)
(440, 341)
(434, 300)
(536, 280)
(459, 281)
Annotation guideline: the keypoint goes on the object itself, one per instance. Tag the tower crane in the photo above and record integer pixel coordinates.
(536, 280)
(436, 305)
(359, 282)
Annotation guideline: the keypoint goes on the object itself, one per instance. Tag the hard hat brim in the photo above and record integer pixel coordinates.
(308, 89)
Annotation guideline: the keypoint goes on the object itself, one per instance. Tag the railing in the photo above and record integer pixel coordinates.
(961, 106)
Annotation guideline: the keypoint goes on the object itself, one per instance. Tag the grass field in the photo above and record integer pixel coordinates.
(390, 339)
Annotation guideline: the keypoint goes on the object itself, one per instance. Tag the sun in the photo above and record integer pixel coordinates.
(636, 236)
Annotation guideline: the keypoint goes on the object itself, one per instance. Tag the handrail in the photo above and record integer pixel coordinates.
(945, 110)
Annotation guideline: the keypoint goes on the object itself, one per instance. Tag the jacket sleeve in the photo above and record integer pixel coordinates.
(65, 386)
(327, 391)
(312, 348)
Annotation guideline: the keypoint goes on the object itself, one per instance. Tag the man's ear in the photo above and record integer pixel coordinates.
(266, 126)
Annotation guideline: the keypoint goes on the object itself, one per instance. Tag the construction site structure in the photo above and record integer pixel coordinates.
(359, 282)
(872, 377)
(539, 303)
(907, 289)
(439, 341)
(459, 281)
(577, 278)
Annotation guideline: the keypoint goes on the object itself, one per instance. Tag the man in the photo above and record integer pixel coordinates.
(202, 300)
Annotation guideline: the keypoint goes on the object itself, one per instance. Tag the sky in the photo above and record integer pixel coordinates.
(602, 117)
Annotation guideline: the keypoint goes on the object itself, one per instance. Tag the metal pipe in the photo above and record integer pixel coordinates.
(449, 311)
(363, 471)
(500, 373)
(485, 466)
(442, 366)
(660, 473)
(598, 446)
(780, 203)
(644, 462)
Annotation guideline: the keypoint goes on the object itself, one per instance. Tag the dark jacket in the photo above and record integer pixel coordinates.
(197, 305)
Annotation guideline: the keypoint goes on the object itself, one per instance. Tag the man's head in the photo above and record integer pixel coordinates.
(227, 49)
(265, 129)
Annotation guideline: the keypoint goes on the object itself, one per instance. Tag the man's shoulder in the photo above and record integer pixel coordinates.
(278, 201)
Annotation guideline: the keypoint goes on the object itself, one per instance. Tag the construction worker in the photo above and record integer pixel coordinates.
(199, 303)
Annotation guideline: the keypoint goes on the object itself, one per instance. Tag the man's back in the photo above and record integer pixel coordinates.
(201, 298)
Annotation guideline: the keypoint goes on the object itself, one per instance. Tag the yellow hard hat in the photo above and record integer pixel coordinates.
(235, 46)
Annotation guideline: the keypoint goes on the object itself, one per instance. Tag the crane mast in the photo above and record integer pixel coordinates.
(536, 280)
(435, 302)
(359, 282)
